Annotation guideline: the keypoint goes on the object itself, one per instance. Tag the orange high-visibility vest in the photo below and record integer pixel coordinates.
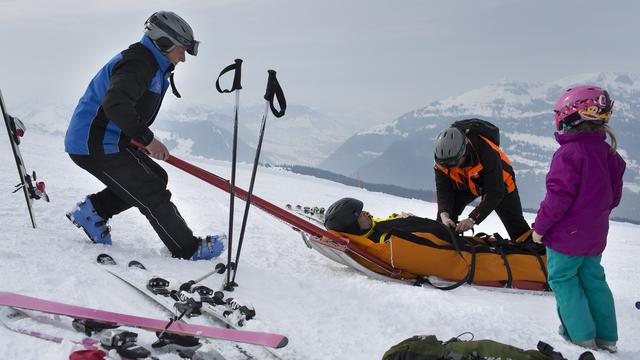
(465, 176)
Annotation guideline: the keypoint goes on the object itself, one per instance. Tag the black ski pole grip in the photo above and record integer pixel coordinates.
(274, 89)
(237, 66)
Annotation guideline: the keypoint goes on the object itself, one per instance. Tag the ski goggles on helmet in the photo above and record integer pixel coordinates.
(190, 45)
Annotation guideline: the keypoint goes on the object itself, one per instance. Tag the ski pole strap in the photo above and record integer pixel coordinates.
(237, 67)
(174, 89)
(273, 88)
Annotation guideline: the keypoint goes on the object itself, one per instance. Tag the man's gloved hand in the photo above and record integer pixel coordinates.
(464, 225)
(444, 217)
(537, 238)
(157, 150)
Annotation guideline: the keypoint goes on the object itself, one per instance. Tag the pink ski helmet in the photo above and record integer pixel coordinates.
(582, 103)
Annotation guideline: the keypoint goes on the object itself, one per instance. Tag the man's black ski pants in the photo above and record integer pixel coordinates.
(132, 178)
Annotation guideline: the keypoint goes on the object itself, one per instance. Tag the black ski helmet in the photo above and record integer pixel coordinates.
(343, 214)
(167, 30)
(450, 146)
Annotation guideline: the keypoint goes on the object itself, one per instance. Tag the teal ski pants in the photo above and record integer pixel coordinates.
(583, 298)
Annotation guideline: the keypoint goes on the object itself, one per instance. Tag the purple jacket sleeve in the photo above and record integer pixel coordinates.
(616, 176)
(563, 181)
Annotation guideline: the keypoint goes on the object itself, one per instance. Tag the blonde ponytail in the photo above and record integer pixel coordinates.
(591, 126)
(612, 136)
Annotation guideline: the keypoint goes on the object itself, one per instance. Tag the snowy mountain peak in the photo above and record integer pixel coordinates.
(513, 99)
(522, 111)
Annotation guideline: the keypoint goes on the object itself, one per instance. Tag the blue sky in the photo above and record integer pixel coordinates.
(373, 59)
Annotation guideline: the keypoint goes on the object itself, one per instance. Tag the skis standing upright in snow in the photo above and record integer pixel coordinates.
(15, 130)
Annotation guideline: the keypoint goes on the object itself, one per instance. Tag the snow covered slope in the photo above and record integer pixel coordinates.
(327, 310)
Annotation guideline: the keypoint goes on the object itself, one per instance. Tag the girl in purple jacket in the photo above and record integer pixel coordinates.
(584, 184)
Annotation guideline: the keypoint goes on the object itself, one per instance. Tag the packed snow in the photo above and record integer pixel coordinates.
(328, 311)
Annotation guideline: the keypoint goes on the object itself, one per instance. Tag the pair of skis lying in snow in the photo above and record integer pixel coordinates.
(179, 329)
(181, 298)
(178, 299)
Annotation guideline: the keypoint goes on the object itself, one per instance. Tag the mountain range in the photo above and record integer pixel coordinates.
(401, 152)
(303, 136)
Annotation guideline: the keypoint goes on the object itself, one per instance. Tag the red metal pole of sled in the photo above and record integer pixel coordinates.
(294, 221)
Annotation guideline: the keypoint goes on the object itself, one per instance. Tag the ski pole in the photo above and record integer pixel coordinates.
(191, 306)
(273, 90)
(219, 269)
(236, 86)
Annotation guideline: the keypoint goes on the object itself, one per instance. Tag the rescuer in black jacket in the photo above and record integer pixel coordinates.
(471, 166)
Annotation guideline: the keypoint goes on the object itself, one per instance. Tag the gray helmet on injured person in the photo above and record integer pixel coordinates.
(343, 215)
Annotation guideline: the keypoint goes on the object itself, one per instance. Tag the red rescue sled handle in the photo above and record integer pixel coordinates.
(294, 221)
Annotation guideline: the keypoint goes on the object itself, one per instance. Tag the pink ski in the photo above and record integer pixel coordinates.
(79, 312)
(7, 314)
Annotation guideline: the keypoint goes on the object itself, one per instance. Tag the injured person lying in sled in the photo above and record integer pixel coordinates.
(422, 247)
(347, 216)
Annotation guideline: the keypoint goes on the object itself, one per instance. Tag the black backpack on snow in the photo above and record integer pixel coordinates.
(480, 127)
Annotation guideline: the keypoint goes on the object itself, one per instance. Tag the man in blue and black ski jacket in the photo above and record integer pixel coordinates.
(121, 102)
(118, 106)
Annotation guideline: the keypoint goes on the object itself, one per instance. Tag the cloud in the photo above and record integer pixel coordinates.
(360, 56)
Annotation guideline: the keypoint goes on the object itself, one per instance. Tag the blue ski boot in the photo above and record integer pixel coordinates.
(210, 247)
(84, 216)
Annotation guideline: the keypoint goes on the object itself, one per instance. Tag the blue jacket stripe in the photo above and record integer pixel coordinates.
(76, 140)
(111, 137)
